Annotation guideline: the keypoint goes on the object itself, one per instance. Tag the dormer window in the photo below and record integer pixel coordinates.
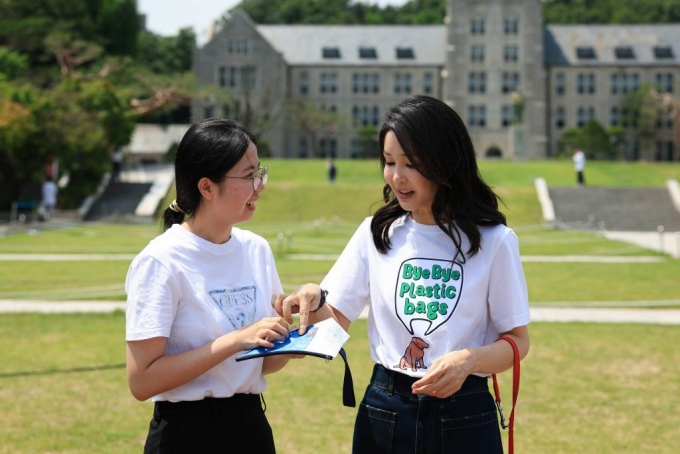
(585, 53)
(663, 52)
(367, 52)
(330, 52)
(624, 53)
(405, 53)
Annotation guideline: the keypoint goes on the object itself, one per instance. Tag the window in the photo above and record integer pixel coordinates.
(477, 82)
(477, 53)
(302, 148)
(511, 26)
(355, 115)
(223, 77)
(560, 117)
(427, 83)
(580, 117)
(237, 46)
(330, 52)
(333, 147)
(510, 82)
(304, 82)
(376, 116)
(238, 77)
(614, 116)
(506, 116)
(248, 76)
(585, 83)
(402, 83)
(664, 82)
(365, 83)
(477, 26)
(367, 52)
(560, 83)
(624, 83)
(405, 53)
(477, 116)
(354, 146)
(663, 52)
(584, 115)
(624, 53)
(329, 83)
(585, 53)
(511, 53)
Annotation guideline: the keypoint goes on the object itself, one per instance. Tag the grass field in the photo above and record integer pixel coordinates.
(586, 388)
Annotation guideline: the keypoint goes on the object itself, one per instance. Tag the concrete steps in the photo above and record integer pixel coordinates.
(614, 209)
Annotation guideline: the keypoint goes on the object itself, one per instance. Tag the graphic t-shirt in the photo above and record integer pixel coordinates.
(423, 303)
(193, 291)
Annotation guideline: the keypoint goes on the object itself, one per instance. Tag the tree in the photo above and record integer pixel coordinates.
(71, 89)
(592, 138)
(314, 123)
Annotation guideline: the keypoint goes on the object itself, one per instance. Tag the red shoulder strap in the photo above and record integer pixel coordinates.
(515, 392)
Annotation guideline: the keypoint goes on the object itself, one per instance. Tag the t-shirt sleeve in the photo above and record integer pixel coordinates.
(348, 280)
(508, 295)
(152, 300)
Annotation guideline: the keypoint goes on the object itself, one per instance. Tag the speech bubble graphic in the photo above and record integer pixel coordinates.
(237, 304)
(428, 291)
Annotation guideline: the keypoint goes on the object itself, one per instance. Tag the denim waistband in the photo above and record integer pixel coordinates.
(396, 382)
(209, 405)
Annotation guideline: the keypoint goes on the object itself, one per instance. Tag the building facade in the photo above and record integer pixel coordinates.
(312, 91)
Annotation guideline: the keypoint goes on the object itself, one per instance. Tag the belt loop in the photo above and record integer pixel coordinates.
(392, 376)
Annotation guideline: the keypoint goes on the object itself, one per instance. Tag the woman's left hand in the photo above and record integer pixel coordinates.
(303, 301)
(445, 376)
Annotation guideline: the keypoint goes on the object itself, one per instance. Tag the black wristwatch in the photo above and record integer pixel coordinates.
(322, 299)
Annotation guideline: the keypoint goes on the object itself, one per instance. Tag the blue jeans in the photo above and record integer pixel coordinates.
(391, 419)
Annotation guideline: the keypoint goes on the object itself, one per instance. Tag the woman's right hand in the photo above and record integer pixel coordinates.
(262, 333)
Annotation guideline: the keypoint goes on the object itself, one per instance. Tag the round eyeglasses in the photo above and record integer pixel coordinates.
(260, 176)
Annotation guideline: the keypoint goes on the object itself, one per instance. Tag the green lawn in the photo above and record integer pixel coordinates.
(586, 388)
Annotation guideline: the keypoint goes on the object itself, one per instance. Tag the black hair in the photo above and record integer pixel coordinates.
(438, 145)
(210, 148)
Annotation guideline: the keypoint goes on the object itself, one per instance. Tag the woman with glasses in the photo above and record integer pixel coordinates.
(200, 293)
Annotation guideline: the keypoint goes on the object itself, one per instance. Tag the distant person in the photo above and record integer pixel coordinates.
(579, 159)
(49, 197)
(200, 293)
(117, 160)
(332, 170)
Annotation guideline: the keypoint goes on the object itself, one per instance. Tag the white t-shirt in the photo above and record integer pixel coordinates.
(423, 305)
(192, 291)
(579, 161)
(49, 193)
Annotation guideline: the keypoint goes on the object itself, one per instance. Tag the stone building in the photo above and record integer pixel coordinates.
(309, 90)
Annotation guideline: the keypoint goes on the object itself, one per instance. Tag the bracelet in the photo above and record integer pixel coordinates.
(322, 299)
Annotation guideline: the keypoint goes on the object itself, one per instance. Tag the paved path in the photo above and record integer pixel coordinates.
(538, 314)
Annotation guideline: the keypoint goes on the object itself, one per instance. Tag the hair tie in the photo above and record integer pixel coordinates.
(174, 207)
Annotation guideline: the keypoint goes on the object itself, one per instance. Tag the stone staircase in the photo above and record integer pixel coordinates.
(614, 209)
(119, 201)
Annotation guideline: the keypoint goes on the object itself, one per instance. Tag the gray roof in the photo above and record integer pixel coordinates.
(303, 44)
(561, 42)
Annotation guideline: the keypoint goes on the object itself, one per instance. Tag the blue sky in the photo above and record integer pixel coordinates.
(166, 17)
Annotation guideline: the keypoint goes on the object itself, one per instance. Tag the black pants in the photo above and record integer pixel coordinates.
(229, 425)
